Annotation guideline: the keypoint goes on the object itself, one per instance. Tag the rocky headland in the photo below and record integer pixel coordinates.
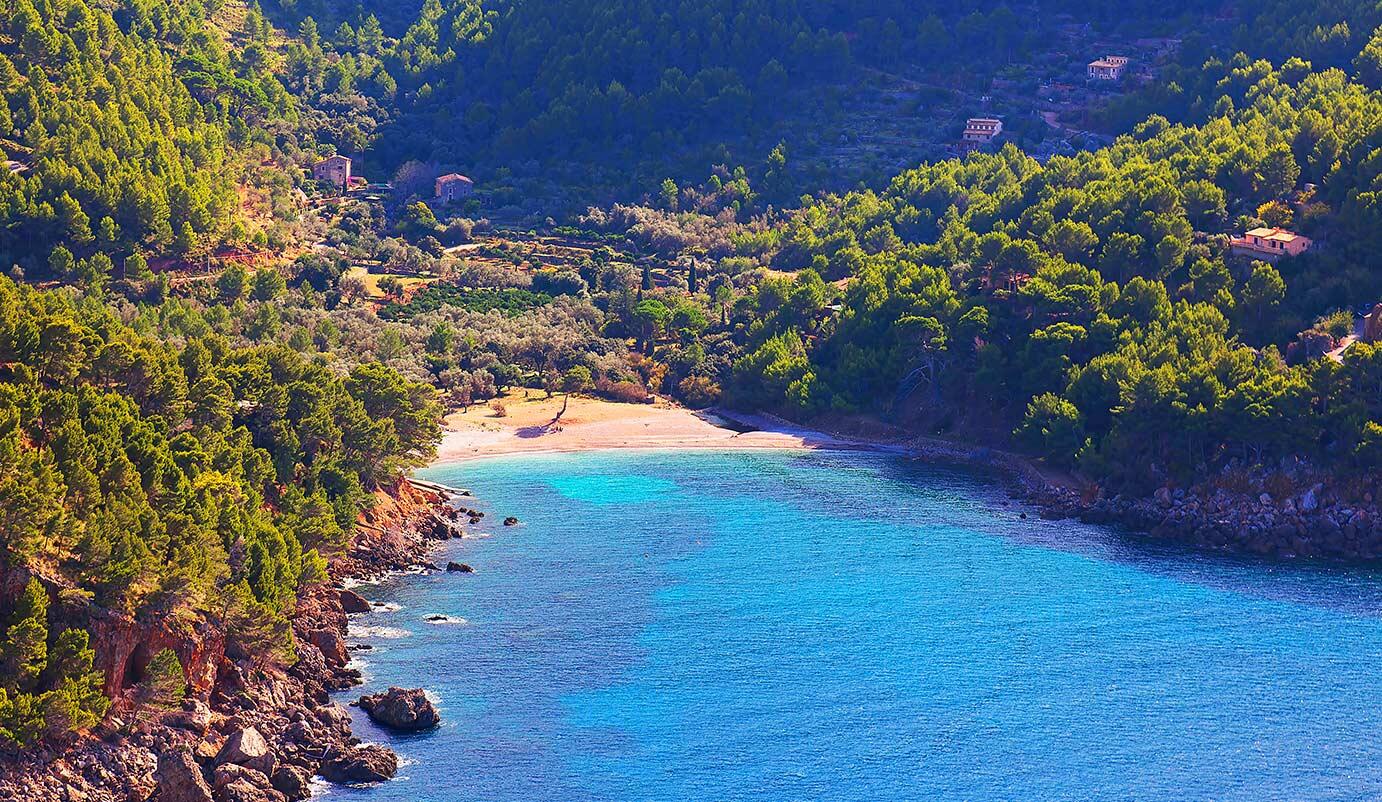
(1288, 512)
(249, 728)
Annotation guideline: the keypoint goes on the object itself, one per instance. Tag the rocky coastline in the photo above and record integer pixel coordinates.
(1283, 516)
(1286, 511)
(249, 730)
(1290, 511)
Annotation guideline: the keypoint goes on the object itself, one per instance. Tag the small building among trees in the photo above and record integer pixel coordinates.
(333, 170)
(1108, 68)
(982, 130)
(1372, 325)
(1269, 244)
(454, 187)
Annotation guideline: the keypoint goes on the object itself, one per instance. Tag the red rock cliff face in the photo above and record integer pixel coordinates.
(397, 509)
(125, 646)
(399, 505)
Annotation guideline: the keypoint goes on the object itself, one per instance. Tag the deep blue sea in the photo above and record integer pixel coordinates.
(783, 626)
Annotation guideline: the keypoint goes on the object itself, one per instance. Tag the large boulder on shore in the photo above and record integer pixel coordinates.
(194, 716)
(235, 783)
(353, 602)
(292, 782)
(367, 763)
(180, 779)
(332, 646)
(400, 709)
(247, 748)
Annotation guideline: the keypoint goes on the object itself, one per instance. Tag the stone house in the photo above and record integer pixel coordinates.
(982, 130)
(333, 170)
(1108, 68)
(454, 187)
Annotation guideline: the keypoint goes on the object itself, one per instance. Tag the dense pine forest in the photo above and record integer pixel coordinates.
(161, 475)
(209, 361)
(1140, 341)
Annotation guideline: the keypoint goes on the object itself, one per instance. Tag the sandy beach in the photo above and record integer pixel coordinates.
(537, 424)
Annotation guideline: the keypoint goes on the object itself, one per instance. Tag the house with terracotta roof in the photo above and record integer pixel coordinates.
(333, 170)
(453, 186)
(1108, 68)
(1269, 244)
(982, 130)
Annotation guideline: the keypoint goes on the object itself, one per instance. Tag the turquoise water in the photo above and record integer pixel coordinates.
(778, 626)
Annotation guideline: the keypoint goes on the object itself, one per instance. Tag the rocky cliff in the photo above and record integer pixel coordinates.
(248, 730)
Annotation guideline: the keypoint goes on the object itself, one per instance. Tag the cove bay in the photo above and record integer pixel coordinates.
(833, 625)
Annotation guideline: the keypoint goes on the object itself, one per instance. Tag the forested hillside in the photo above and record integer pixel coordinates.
(187, 479)
(188, 445)
(116, 126)
(1091, 301)
(630, 82)
(1332, 33)
(1084, 300)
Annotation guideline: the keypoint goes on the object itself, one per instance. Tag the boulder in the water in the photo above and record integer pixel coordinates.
(459, 568)
(510, 521)
(401, 709)
(366, 763)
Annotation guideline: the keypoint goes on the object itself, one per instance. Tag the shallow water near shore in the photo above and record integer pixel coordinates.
(850, 626)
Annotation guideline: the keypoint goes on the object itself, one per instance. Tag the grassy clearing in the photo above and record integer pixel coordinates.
(371, 281)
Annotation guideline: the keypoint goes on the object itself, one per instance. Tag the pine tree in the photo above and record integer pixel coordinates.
(137, 268)
(163, 685)
(78, 701)
(24, 652)
(187, 239)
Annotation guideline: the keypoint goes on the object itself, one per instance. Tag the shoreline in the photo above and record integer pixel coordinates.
(1287, 514)
(553, 426)
(562, 425)
(309, 734)
(593, 425)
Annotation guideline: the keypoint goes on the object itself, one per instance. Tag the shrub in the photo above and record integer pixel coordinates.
(623, 392)
(1053, 427)
(698, 392)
